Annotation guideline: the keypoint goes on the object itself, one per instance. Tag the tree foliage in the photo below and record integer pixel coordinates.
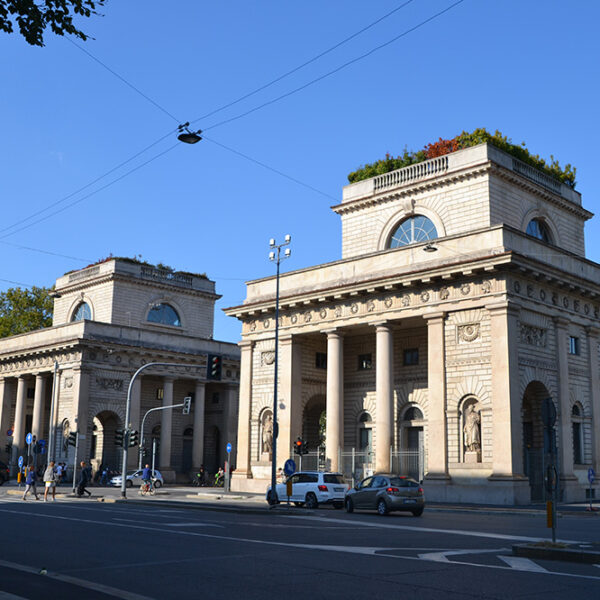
(32, 18)
(23, 310)
(466, 139)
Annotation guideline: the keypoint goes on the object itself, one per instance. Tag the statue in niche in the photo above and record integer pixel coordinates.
(267, 435)
(472, 434)
(66, 430)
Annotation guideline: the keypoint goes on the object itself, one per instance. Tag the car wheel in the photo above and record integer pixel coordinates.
(349, 505)
(382, 507)
(129, 483)
(338, 505)
(417, 512)
(298, 503)
(311, 501)
(158, 484)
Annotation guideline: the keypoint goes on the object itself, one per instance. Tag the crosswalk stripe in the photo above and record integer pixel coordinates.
(522, 564)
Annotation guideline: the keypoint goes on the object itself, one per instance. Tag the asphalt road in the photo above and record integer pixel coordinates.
(92, 550)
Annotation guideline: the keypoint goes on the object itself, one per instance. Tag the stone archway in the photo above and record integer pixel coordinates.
(534, 446)
(314, 420)
(103, 449)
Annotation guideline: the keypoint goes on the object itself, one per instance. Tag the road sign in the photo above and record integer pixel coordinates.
(289, 467)
(591, 475)
(9, 432)
(228, 448)
(20, 462)
(29, 438)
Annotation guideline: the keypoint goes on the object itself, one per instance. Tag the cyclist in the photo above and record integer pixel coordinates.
(219, 475)
(147, 477)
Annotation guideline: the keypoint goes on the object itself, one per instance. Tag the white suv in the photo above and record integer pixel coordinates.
(311, 488)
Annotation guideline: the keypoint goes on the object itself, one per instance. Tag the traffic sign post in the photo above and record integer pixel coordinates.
(20, 463)
(228, 468)
(29, 440)
(591, 479)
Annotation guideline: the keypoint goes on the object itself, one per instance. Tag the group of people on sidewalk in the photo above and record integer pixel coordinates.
(52, 477)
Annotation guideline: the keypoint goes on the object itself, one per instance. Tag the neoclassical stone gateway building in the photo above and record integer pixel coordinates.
(463, 299)
(110, 319)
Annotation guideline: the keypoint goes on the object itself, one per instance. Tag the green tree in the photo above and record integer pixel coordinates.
(23, 310)
(33, 17)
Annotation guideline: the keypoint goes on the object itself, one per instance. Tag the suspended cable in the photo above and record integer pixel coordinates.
(40, 251)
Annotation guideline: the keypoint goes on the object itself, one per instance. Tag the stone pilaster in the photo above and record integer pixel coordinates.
(384, 397)
(335, 398)
(243, 469)
(38, 406)
(166, 426)
(593, 335)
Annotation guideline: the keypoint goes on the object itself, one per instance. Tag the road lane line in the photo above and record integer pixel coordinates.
(90, 585)
(523, 564)
(443, 556)
(7, 596)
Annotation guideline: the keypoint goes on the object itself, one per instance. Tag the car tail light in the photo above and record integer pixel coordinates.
(420, 490)
(322, 488)
(392, 490)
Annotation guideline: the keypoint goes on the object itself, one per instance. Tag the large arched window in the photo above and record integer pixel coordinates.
(165, 315)
(82, 312)
(539, 230)
(413, 230)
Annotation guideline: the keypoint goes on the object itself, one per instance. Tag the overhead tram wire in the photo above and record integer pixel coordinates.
(301, 66)
(337, 69)
(48, 252)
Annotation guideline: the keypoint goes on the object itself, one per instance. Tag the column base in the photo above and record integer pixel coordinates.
(168, 474)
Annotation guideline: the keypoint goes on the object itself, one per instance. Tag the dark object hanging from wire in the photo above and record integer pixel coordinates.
(187, 136)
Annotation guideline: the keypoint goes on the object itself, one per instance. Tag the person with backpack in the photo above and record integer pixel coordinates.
(30, 483)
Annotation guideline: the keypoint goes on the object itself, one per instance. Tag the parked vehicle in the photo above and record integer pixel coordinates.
(311, 488)
(135, 478)
(384, 492)
(4, 472)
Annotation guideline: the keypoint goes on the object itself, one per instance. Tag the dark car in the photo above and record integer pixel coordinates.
(4, 472)
(384, 492)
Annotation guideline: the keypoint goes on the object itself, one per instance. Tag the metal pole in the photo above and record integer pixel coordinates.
(128, 413)
(52, 403)
(142, 427)
(75, 460)
(275, 424)
(153, 455)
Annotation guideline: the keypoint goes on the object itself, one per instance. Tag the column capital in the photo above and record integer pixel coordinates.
(246, 344)
(561, 322)
(169, 378)
(504, 307)
(382, 325)
(335, 332)
(435, 316)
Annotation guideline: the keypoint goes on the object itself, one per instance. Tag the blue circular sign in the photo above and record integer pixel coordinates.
(20, 462)
(289, 467)
(228, 448)
(29, 438)
(591, 475)
(9, 432)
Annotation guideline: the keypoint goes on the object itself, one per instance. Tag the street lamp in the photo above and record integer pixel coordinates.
(187, 136)
(276, 256)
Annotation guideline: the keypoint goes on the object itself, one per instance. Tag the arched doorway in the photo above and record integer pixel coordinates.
(536, 449)
(314, 422)
(411, 443)
(102, 449)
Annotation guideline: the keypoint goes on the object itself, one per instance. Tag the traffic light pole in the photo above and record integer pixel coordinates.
(142, 427)
(128, 415)
(75, 460)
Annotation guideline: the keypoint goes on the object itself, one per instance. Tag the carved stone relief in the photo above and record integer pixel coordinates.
(465, 289)
(323, 313)
(405, 300)
(486, 287)
(267, 358)
(370, 305)
(307, 316)
(444, 293)
(471, 418)
(468, 332)
(388, 301)
(425, 296)
(354, 308)
(534, 336)
(107, 383)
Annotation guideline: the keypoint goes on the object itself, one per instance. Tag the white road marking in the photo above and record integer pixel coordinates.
(443, 556)
(193, 524)
(7, 596)
(90, 585)
(523, 564)
(376, 552)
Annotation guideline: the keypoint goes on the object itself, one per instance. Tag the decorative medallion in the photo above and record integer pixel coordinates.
(534, 336)
(253, 326)
(307, 316)
(529, 290)
(576, 305)
(68, 382)
(354, 308)
(444, 293)
(323, 313)
(405, 300)
(554, 298)
(542, 295)
(425, 296)
(388, 301)
(596, 311)
(370, 305)
(586, 309)
(267, 358)
(465, 289)
(468, 332)
(338, 311)
(266, 323)
(565, 302)
(294, 319)
(118, 358)
(517, 286)
(486, 287)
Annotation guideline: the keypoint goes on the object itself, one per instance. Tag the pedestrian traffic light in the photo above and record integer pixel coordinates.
(187, 405)
(298, 446)
(72, 441)
(304, 447)
(133, 438)
(41, 446)
(214, 367)
(119, 437)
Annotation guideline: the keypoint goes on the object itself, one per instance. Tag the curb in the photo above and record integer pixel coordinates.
(568, 553)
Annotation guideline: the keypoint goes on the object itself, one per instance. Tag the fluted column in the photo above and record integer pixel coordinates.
(39, 400)
(593, 334)
(198, 441)
(243, 467)
(19, 431)
(383, 397)
(335, 398)
(166, 425)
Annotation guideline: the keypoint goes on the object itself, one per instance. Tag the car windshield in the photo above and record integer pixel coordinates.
(333, 479)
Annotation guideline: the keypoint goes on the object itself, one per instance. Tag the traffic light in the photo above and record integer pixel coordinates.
(298, 446)
(8, 448)
(41, 446)
(133, 438)
(72, 441)
(119, 437)
(214, 367)
(187, 405)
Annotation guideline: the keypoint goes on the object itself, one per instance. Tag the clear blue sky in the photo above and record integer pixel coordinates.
(528, 68)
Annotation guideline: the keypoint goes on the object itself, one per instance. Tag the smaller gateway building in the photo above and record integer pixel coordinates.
(109, 320)
(462, 301)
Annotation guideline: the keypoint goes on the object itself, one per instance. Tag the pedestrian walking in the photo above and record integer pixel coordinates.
(85, 478)
(50, 481)
(30, 483)
(59, 473)
(104, 479)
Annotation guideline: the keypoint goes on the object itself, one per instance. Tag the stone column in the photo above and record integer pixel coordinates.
(243, 468)
(6, 396)
(507, 435)
(437, 465)
(38, 406)
(563, 425)
(231, 412)
(19, 431)
(81, 388)
(133, 455)
(165, 432)
(593, 334)
(198, 441)
(335, 398)
(289, 412)
(384, 397)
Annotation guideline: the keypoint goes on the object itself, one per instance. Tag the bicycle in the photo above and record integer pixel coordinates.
(147, 488)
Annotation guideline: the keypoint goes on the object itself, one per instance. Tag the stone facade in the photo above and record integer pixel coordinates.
(109, 320)
(434, 357)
